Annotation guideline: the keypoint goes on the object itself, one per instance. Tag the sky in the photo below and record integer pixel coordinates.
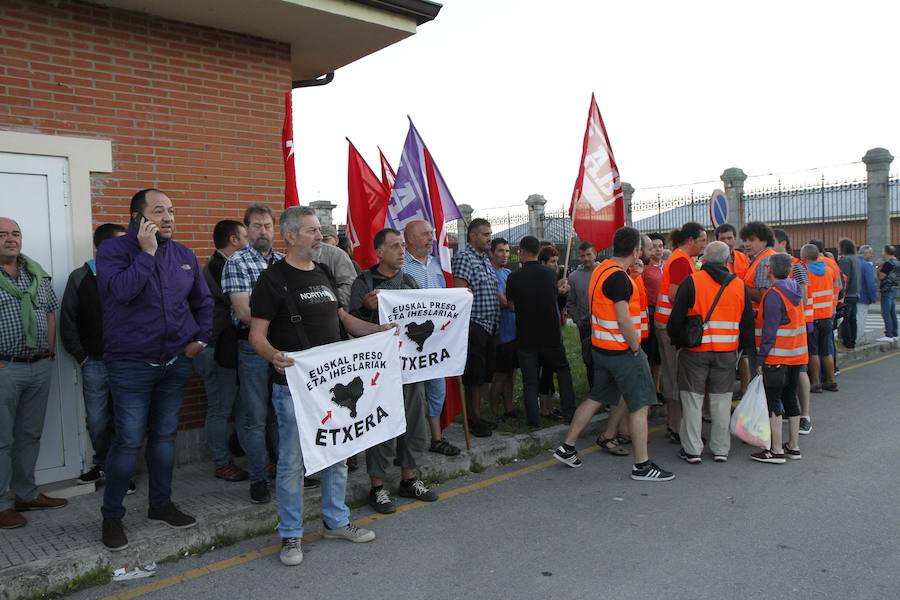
(500, 89)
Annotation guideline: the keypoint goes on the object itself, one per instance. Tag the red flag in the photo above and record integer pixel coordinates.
(388, 175)
(598, 206)
(291, 197)
(367, 203)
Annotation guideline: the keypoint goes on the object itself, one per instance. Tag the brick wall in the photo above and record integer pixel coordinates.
(194, 111)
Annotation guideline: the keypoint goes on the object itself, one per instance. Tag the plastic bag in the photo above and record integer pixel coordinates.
(750, 421)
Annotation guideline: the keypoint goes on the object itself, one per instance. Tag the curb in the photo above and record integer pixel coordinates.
(222, 528)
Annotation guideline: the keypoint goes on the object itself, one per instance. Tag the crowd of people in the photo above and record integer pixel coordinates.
(676, 326)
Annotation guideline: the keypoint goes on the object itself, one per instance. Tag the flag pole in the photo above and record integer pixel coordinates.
(465, 416)
(571, 233)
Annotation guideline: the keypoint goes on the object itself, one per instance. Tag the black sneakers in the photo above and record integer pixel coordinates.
(259, 492)
(113, 535)
(415, 488)
(132, 488)
(650, 471)
(792, 453)
(692, 459)
(380, 500)
(95, 475)
(171, 516)
(480, 429)
(567, 457)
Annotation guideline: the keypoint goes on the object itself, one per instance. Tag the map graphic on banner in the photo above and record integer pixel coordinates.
(434, 330)
(348, 396)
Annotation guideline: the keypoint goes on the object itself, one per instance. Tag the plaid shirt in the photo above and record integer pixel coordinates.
(472, 267)
(427, 276)
(12, 336)
(242, 269)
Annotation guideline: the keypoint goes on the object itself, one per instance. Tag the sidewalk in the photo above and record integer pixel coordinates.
(59, 545)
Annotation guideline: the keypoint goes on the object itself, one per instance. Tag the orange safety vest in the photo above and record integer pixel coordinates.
(722, 332)
(645, 303)
(836, 270)
(750, 274)
(790, 340)
(663, 302)
(605, 332)
(820, 296)
(739, 263)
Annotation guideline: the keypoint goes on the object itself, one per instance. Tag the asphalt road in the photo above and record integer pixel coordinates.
(824, 527)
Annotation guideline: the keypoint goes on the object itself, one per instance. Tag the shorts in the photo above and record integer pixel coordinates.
(626, 375)
(701, 372)
(435, 393)
(650, 345)
(480, 359)
(820, 340)
(505, 360)
(780, 383)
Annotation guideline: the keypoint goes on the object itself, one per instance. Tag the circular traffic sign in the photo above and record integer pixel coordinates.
(718, 208)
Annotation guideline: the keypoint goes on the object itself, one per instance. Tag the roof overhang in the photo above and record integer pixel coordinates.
(324, 34)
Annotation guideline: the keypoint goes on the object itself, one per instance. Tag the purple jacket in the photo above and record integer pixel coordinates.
(153, 306)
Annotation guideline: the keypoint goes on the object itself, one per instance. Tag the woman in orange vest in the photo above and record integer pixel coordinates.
(621, 371)
(781, 356)
(689, 242)
(759, 242)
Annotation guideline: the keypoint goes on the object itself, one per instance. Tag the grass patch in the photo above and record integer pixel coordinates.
(477, 467)
(438, 477)
(99, 575)
(579, 382)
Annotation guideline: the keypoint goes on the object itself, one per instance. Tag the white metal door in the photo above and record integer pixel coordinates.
(34, 192)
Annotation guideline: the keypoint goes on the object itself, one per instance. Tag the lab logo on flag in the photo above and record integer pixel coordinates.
(348, 397)
(434, 325)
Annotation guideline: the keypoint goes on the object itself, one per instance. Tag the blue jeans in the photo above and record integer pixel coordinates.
(889, 312)
(254, 415)
(289, 482)
(97, 407)
(435, 394)
(144, 397)
(221, 392)
(24, 390)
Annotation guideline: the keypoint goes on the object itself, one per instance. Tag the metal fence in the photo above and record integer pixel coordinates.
(822, 202)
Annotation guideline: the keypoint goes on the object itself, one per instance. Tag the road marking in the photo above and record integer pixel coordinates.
(191, 574)
(235, 561)
(870, 362)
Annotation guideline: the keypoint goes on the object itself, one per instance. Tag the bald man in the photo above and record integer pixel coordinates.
(420, 264)
(28, 308)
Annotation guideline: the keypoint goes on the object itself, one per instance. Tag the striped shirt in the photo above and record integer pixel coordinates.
(242, 269)
(429, 275)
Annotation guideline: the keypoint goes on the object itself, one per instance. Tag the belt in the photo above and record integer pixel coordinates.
(18, 359)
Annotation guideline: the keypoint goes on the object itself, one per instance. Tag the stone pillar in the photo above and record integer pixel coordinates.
(323, 210)
(535, 204)
(627, 193)
(462, 226)
(878, 205)
(734, 179)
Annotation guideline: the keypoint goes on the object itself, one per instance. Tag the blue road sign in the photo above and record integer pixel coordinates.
(718, 208)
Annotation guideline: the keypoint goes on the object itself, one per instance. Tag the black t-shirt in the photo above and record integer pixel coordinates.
(315, 298)
(617, 287)
(533, 291)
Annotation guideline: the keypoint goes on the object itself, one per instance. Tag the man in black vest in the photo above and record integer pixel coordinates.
(81, 333)
(217, 364)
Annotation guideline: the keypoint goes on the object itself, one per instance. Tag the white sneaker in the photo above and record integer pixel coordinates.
(349, 532)
(885, 339)
(291, 553)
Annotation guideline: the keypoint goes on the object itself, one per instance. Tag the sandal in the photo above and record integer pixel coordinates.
(623, 440)
(611, 446)
(444, 447)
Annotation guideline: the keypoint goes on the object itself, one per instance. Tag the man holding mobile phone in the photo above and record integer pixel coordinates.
(157, 316)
